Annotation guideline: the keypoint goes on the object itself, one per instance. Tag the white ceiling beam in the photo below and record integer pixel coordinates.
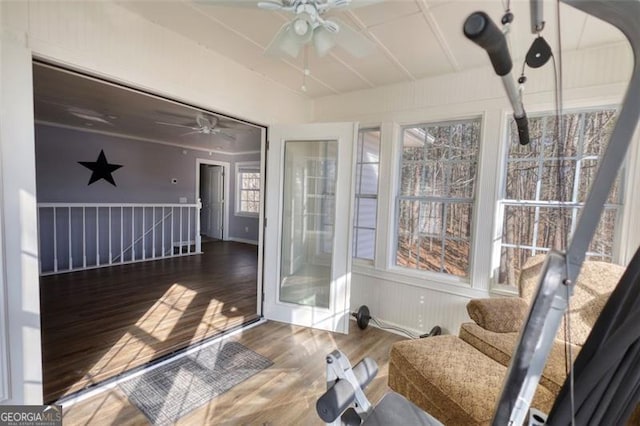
(353, 70)
(363, 28)
(440, 38)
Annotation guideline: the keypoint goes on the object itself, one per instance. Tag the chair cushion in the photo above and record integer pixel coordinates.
(594, 286)
(451, 380)
(499, 314)
(500, 346)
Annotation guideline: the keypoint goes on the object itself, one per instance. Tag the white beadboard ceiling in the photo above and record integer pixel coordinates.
(414, 38)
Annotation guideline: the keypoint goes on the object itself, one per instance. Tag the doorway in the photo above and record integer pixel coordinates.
(162, 290)
(211, 194)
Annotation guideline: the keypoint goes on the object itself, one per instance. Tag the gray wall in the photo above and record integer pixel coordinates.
(146, 175)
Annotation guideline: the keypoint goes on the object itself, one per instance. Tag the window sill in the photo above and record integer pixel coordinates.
(362, 262)
(503, 290)
(430, 281)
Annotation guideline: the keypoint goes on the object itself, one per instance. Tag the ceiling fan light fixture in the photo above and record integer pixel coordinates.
(323, 41)
(300, 26)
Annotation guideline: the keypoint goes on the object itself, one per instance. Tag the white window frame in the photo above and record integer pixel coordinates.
(246, 167)
(359, 165)
(442, 277)
(501, 201)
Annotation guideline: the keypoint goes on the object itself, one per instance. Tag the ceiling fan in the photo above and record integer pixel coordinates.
(309, 26)
(90, 116)
(204, 125)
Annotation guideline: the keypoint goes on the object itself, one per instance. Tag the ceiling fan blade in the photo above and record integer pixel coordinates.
(229, 3)
(350, 4)
(352, 41)
(224, 135)
(177, 125)
(270, 5)
(286, 41)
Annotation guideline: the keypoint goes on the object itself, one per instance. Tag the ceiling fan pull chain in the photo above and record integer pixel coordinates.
(306, 71)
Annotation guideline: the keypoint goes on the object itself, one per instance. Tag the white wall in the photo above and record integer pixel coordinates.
(20, 360)
(106, 40)
(418, 301)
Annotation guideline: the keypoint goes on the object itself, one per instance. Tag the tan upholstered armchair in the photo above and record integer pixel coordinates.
(458, 379)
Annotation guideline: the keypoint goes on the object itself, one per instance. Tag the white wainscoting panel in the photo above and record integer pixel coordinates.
(415, 308)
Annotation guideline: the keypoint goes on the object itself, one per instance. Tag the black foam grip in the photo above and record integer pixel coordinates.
(523, 129)
(480, 29)
(335, 400)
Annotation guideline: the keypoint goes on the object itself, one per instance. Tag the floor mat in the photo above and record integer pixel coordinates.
(168, 392)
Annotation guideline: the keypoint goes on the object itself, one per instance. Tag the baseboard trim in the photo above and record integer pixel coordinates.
(243, 240)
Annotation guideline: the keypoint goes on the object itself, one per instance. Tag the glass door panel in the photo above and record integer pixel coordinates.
(308, 222)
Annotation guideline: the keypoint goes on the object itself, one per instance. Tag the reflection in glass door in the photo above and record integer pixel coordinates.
(308, 220)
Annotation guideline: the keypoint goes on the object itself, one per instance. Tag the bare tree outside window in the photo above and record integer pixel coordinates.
(546, 185)
(436, 196)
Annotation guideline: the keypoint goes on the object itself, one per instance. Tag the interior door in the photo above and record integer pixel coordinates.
(307, 246)
(205, 198)
(216, 200)
(212, 197)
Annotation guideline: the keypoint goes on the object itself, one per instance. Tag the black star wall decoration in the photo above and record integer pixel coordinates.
(101, 169)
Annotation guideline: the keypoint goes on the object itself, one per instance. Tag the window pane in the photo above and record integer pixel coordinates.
(366, 212)
(365, 243)
(370, 146)
(408, 217)
(406, 251)
(511, 262)
(248, 190)
(555, 197)
(457, 257)
(602, 243)
(430, 254)
(459, 221)
(366, 193)
(597, 131)
(431, 219)
(425, 178)
(522, 180)
(557, 180)
(436, 192)
(462, 180)
(367, 179)
(518, 225)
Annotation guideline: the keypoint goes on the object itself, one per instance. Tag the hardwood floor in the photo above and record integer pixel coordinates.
(283, 394)
(98, 323)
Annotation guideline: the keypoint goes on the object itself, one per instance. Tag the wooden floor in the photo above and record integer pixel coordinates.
(283, 394)
(98, 323)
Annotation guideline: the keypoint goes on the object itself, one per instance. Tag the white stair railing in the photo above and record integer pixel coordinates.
(75, 236)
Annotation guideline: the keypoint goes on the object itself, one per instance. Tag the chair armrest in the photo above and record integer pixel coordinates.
(499, 314)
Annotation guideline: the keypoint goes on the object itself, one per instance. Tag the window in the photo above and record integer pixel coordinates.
(546, 186)
(248, 188)
(366, 199)
(436, 196)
